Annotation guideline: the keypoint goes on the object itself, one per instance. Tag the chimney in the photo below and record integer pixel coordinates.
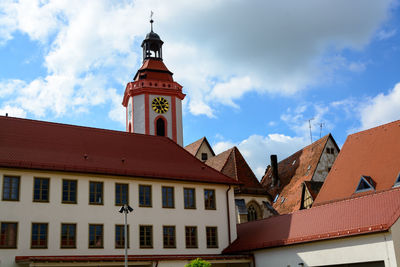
(274, 170)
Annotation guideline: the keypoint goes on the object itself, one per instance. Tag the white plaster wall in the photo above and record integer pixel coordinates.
(179, 123)
(139, 125)
(358, 249)
(395, 232)
(326, 161)
(54, 213)
(204, 149)
(167, 115)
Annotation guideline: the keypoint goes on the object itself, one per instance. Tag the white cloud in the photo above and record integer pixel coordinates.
(12, 111)
(117, 112)
(217, 57)
(381, 109)
(357, 66)
(256, 149)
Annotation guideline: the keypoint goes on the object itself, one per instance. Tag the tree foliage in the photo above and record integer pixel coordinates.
(198, 263)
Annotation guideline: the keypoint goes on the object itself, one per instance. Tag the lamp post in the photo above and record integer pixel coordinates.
(126, 209)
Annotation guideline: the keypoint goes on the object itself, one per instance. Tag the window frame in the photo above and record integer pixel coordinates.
(146, 246)
(363, 178)
(164, 236)
(102, 193)
(102, 235)
(45, 246)
(41, 189)
(151, 196)
(123, 235)
(127, 194)
(195, 235)
(210, 245)
(16, 234)
(204, 156)
(75, 236)
(207, 203)
(194, 198)
(18, 189)
(69, 191)
(168, 195)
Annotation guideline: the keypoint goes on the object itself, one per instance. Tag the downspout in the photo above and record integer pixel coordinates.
(228, 214)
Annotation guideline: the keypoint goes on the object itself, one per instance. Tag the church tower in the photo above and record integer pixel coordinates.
(153, 101)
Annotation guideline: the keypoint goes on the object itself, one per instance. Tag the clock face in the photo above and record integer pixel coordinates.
(160, 105)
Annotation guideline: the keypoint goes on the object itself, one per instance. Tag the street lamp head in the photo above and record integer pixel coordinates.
(121, 210)
(130, 209)
(126, 208)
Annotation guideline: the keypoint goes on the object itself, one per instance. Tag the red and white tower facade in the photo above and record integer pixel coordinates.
(153, 101)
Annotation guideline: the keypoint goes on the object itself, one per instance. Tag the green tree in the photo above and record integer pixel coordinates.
(198, 263)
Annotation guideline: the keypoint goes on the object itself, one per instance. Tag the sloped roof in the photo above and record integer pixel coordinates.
(154, 70)
(60, 147)
(374, 153)
(232, 164)
(194, 147)
(292, 172)
(361, 215)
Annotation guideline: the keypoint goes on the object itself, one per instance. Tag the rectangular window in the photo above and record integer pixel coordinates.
(8, 234)
(11, 188)
(121, 194)
(95, 236)
(144, 195)
(209, 199)
(146, 236)
(68, 235)
(39, 235)
(120, 236)
(191, 236)
(168, 197)
(69, 191)
(41, 189)
(212, 237)
(169, 236)
(96, 193)
(204, 156)
(189, 198)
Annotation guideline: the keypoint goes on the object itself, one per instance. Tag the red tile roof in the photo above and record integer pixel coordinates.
(292, 172)
(232, 164)
(154, 70)
(374, 153)
(361, 215)
(59, 147)
(194, 147)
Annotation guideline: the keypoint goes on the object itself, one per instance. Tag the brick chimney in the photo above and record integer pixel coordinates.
(274, 169)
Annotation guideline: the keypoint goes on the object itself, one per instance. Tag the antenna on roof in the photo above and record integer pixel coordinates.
(151, 19)
(309, 125)
(321, 124)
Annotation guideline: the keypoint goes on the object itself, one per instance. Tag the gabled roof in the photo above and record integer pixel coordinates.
(361, 215)
(59, 147)
(194, 147)
(232, 164)
(374, 153)
(292, 172)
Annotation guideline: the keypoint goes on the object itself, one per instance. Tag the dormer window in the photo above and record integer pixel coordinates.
(276, 198)
(397, 183)
(366, 183)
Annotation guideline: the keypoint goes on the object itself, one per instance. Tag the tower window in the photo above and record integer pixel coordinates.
(160, 127)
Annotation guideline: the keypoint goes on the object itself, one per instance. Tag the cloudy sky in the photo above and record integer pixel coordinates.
(254, 71)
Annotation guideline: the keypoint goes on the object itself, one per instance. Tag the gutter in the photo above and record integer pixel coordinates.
(228, 215)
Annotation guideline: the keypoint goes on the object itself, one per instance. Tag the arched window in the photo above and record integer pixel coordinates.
(160, 124)
(253, 211)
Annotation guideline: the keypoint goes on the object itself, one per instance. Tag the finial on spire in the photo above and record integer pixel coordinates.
(151, 19)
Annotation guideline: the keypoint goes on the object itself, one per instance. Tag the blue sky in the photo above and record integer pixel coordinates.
(254, 74)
